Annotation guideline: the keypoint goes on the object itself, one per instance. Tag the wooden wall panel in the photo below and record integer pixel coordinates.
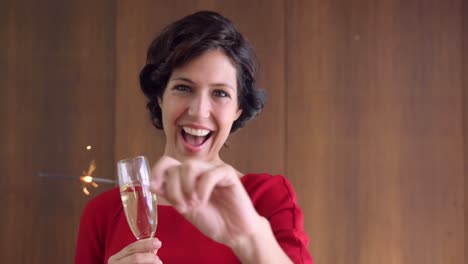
(260, 21)
(464, 56)
(374, 128)
(431, 167)
(57, 96)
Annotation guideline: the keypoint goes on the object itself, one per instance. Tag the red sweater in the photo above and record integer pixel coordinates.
(104, 230)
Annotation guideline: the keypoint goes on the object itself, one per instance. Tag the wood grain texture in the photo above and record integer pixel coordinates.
(374, 128)
(57, 97)
(464, 56)
(138, 23)
(431, 167)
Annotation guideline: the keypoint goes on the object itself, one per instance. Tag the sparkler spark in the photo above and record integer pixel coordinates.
(85, 190)
(86, 179)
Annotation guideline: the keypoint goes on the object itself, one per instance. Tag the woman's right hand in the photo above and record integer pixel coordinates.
(140, 252)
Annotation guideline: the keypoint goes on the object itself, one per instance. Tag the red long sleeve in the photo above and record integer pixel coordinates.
(275, 199)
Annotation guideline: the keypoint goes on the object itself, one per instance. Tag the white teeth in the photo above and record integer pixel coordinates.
(196, 132)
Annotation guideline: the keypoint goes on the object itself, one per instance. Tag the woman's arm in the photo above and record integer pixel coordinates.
(274, 198)
(260, 246)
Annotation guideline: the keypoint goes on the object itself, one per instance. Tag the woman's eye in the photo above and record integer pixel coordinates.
(182, 88)
(221, 93)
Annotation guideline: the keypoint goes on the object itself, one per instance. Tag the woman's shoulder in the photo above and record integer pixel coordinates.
(104, 203)
(106, 197)
(258, 182)
(267, 191)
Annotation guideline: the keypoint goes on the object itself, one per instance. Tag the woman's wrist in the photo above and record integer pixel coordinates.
(259, 246)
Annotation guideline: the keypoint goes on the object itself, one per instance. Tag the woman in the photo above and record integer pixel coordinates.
(200, 83)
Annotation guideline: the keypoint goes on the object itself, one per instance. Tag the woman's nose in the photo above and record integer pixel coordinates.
(200, 107)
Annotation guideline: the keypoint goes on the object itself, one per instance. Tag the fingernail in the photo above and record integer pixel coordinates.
(157, 243)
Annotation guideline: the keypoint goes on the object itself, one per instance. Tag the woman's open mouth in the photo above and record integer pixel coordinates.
(195, 137)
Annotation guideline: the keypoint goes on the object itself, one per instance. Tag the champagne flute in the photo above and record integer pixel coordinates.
(139, 203)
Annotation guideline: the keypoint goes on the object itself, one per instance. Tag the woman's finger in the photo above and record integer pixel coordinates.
(140, 246)
(173, 190)
(158, 173)
(218, 176)
(190, 172)
(142, 258)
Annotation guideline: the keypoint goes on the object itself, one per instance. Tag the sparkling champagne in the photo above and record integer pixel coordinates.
(140, 208)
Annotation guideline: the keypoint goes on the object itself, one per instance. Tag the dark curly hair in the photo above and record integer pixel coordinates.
(189, 37)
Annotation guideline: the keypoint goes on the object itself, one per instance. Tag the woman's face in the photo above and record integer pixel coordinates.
(199, 106)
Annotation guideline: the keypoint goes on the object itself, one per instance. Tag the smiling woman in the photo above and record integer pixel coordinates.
(199, 106)
(200, 82)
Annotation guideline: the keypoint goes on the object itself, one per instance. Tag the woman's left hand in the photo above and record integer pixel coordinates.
(210, 196)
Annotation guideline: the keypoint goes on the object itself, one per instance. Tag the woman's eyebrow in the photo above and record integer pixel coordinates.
(184, 79)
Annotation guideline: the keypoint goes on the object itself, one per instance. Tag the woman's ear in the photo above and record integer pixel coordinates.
(238, 113)
(159, 101)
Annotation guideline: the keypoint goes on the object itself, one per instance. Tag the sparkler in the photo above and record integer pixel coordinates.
(86, 179)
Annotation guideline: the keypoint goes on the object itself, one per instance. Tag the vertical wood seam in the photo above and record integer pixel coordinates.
(285, 91)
